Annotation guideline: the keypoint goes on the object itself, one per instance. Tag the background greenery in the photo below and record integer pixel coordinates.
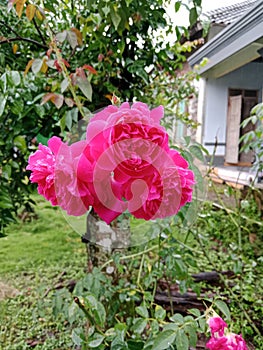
(81, 53)
(44, 260)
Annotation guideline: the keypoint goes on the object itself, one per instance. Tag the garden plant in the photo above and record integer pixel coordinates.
(83, 98)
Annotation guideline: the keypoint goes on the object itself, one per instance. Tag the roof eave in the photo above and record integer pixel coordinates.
(228, 42)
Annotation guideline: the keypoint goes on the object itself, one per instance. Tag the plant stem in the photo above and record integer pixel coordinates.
(127, 257)
(66, 74)
(140, 270)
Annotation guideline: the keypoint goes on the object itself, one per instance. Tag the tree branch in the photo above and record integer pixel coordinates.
(19, 38)
(39, 32)
(10, 28)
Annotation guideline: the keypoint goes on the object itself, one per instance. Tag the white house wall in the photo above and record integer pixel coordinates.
(248, 77)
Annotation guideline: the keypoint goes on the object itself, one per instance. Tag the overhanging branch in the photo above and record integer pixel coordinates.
(18, 38)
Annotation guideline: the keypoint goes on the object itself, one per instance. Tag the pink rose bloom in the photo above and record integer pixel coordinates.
(125, 114)
(217, 326)
(165, 187)
(124, 164)
(54, 169)
(222, 341)
(73, 195)
(101, 185)
(42, 165)
(230, 341)
(134, 167)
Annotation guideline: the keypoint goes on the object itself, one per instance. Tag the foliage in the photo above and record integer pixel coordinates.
(76, 56)
(23, 120)
(252, 140)
(115, 304)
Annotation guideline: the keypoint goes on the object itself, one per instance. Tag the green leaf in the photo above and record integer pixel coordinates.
(154, 326)
(3, 100)
(164, 340)
(73, 312)
(95, 340)
(192, 335)
(142, 311)
(222, 306)
(15, 77)
(177, 6)
(193, 16)
(100, 314)
(17, 106)
(68, 120)
(115, 17)
(77, 337)
(85, 87)
(3, 79)
(197, 152)
(177, 318)
(20, 143)
(187, 140)
(135, 345)
(36, 65)
(159, 313)
(64, 85)
(6, 205)
(139, 325)
(182, 342)
(202, 324)
(61, 37)
(170, 326)
(42, 139)
(195, 312)
(198, 2)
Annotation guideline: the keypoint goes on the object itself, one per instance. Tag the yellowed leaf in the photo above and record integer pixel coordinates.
(40, 14)
(19, 7)
(15, 48)
(44, 67)
(28, 66)
(30, 11)
(78, 35)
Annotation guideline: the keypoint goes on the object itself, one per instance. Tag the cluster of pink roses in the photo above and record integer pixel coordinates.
(222, 340)
(125, 163)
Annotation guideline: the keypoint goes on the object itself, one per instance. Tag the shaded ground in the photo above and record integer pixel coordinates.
(219, 193)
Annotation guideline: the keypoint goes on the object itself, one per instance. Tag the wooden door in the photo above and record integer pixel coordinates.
(233, 129)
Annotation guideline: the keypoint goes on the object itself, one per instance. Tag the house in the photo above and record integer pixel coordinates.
(232, 80)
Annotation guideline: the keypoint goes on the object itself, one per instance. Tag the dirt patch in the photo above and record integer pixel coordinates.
(7, 291)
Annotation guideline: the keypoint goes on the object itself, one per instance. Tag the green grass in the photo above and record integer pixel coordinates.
(34, 258)
(47, 241)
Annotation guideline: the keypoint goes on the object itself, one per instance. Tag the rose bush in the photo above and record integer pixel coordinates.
(125, 163)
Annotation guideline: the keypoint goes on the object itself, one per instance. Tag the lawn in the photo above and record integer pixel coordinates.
(35, 257)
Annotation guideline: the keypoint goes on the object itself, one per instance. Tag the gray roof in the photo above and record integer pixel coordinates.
(237, 44)
(229, 14)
